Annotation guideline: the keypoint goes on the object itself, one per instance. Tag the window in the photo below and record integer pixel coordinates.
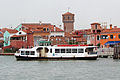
(98, 38)
(32, 52)
(68, 50)
(89, 49)
(93, 31)
(111, 36)
(27, 52)
(80, 51)
(62, 50)
(22, 52)
(51, 50)
(57, 50)
(44, 29)
(47, 29)
(74, 50)
(77, 33)
(119, 36)
(52, 36)
(95, 26)
(19, 32)
(104, 36)
(68, 17)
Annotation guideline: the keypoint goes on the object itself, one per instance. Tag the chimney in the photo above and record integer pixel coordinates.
(105, 27)
(115, 27)
(110, 26)
(40, 22)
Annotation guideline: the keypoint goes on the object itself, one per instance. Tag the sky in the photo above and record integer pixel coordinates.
(15, 12)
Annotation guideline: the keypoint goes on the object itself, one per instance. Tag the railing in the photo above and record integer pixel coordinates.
(105, 51)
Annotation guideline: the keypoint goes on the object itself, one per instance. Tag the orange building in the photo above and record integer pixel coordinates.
(109, 37)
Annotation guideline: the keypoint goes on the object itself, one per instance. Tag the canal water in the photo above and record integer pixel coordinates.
(101, 69)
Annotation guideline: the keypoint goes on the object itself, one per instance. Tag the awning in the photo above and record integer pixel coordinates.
(112, 42)
(44, 41)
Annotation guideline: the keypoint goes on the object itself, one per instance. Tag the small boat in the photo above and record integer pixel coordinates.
(59, 52)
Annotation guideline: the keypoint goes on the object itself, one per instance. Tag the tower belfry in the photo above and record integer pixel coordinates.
(68, 21)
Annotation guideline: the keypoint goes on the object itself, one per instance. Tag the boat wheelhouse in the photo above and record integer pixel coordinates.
(58, 52)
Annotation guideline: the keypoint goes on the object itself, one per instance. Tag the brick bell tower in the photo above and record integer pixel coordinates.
(68, 21)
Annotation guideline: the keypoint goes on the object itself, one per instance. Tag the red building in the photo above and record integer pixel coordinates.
(21, 39)
(81, 36)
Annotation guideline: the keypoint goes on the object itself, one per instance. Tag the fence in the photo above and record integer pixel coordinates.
(105, 52)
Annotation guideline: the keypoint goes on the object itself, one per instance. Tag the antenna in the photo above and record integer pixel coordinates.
(110, 20)
(40, 22)
(68, 9)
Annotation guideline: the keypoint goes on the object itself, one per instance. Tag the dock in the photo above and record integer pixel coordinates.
(6, 54)
(105, 52)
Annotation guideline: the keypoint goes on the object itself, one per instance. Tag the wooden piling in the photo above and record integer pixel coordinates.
(116, 51)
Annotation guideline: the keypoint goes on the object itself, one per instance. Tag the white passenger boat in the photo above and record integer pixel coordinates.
(76, 52)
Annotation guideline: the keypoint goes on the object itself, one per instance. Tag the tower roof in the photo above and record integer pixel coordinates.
(68, 13)
(95, 23)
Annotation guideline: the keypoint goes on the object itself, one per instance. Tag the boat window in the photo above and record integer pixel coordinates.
(32, 52)
(22, 52)
(57, 50)
(89, 49)
(39, 49)
(80, 51)
(62, 50)
(51, 50)
(46, 50)
(68, 50)
(74, 50)
(27, 52)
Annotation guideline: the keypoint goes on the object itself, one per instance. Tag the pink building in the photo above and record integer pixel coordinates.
(95, 33)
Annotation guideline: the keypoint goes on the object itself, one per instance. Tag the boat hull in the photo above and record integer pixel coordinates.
(55, 58)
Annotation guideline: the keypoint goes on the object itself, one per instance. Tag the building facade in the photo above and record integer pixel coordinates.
(110, 37)
(95, 33)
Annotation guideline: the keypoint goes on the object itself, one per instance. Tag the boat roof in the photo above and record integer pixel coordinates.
(34, 48)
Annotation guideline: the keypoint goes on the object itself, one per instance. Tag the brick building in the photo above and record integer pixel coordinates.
(68, 21)
(23, 38)
(44, 32)
(80, 36)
